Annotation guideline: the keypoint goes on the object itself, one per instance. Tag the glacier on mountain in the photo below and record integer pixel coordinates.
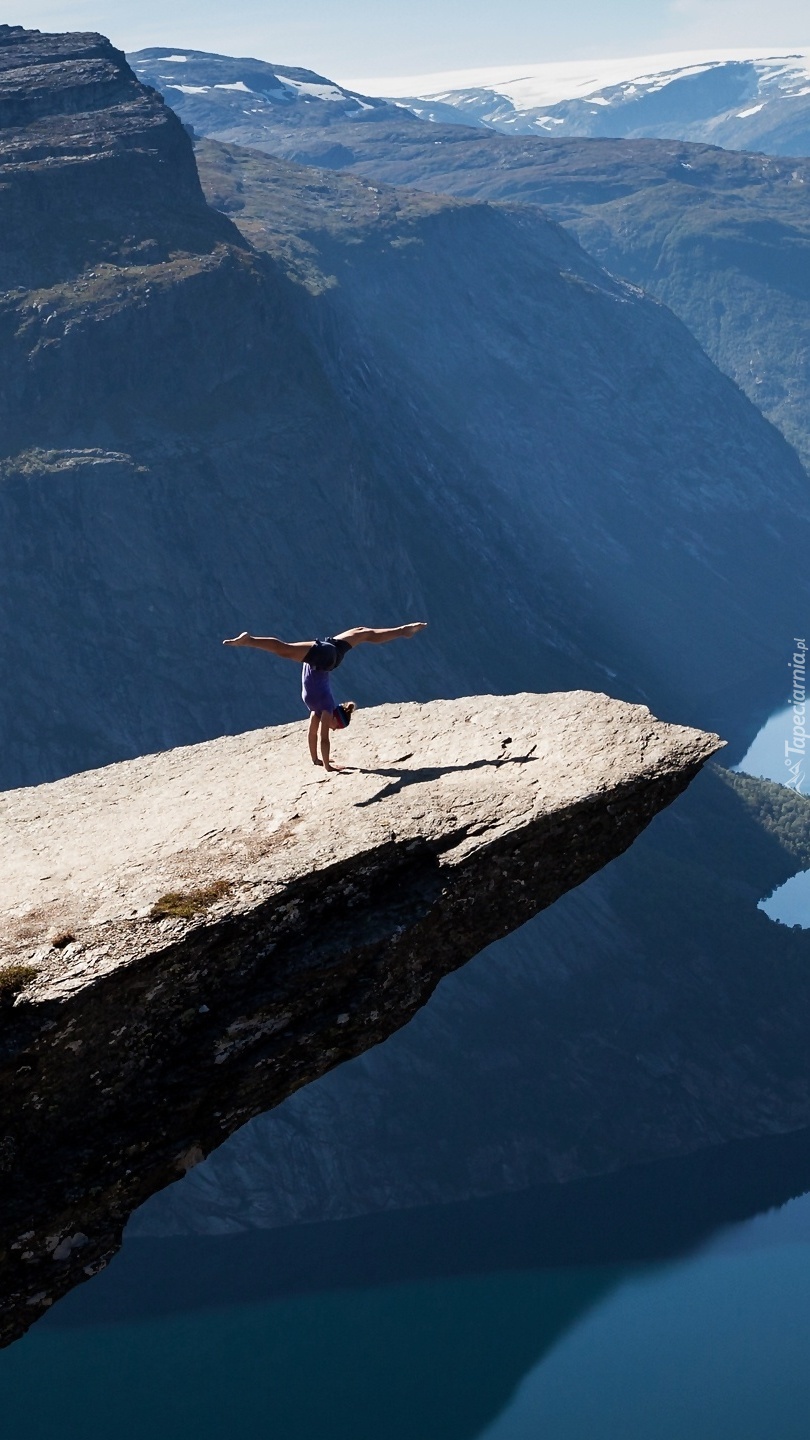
(694, 95)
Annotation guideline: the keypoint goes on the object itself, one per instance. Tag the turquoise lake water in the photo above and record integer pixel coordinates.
(713, 1348)
(766, 755)
(710, 1345)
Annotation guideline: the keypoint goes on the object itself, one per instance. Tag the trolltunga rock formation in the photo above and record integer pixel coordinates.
(205, 930)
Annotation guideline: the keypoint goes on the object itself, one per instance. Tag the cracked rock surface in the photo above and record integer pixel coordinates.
(231, 922)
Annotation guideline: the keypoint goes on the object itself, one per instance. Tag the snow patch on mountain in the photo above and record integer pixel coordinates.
(321, 92)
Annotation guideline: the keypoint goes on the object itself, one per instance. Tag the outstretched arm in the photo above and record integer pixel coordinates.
(297, 650)
(362, 635)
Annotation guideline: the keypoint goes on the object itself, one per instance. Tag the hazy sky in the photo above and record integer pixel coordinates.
(351, 38)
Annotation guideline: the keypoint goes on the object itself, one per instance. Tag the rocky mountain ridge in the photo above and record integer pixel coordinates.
(83, 143)
(231, 90)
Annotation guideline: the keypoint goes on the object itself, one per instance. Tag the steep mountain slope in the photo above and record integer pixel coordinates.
(722, 238)
(128, 342)
(174, 450)
(467, 397)
(384, 248)
(738, 98)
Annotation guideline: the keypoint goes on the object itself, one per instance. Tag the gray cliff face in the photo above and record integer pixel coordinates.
(307, 917)
(93, 166)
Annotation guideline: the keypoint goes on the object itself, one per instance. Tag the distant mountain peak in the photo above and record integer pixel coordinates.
(741, 99)
(225, 83)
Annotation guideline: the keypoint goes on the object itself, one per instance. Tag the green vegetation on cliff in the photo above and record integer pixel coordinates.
(778, 811)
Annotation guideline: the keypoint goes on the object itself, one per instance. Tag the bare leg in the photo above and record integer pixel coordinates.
(324, 729)
(312, 738)
(297, 650)
(362, 635)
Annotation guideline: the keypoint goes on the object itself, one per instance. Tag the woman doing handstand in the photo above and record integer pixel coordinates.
(318, 658)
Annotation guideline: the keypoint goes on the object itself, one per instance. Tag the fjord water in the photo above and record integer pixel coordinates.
(632, 1306)
(769, 757)
(767, 754)
(713, 1347)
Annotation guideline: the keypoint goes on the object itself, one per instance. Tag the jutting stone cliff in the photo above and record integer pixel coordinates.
(201, 932)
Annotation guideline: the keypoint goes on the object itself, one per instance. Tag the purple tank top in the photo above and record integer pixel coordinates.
(316, 690)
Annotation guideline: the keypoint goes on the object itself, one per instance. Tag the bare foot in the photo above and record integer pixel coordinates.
(409, 630)
(315, 761)
(243, 639)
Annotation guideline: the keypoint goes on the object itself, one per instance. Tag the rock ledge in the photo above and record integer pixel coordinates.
(231, 922)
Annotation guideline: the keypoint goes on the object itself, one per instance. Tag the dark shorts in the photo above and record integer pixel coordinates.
(327, 654)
